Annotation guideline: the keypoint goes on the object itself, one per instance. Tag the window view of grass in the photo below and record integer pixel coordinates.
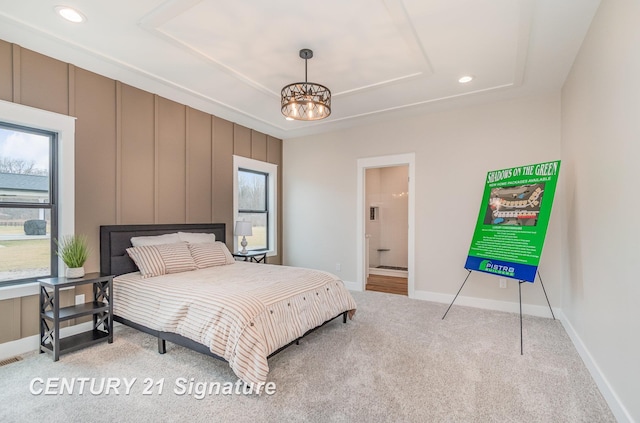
(21, 257)
(27, 171)
(253, 206)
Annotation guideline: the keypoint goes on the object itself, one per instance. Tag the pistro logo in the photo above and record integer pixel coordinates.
(488, 266)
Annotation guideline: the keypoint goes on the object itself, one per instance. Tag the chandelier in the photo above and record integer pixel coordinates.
(305, 100)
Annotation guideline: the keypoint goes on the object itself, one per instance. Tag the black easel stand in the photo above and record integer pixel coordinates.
(545, 296)
(519, 298)
(454, 298)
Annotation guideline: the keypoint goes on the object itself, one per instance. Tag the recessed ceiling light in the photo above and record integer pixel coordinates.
(465, 79)
(70, 14)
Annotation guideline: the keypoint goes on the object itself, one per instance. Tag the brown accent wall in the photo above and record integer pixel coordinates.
(199, 169)
(222, 166)
(258, 146)
(140, 158)
(6, 72)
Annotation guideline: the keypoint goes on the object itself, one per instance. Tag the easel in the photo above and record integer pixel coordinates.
(519, 297)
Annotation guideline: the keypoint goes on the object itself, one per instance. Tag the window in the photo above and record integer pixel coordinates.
(255, 201)
(253, 206)
(28, 212)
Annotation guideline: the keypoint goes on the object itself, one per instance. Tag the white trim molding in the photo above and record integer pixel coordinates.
(17, 291)
(484, 303)
(352, 286)
(271, 169)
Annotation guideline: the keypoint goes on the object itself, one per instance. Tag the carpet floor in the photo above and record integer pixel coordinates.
(396, 361)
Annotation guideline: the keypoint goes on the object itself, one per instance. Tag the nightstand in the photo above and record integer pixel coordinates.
(101, 308)
(252, 256)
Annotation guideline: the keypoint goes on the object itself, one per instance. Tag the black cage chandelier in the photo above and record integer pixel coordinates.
(305, 100)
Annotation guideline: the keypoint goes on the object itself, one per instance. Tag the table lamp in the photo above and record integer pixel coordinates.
(244, 229)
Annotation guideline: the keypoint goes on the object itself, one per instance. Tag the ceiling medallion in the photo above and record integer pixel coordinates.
(305, 100)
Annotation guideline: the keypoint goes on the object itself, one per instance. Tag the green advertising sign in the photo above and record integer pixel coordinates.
(513, 219)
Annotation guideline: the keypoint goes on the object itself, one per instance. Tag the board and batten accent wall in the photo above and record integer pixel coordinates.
(140, 158)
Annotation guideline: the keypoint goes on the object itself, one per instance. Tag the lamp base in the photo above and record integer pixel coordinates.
(244, 245)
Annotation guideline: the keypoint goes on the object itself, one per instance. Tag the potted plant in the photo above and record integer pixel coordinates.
(74, 251)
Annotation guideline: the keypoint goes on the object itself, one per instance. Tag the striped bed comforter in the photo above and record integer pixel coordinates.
(243, 312)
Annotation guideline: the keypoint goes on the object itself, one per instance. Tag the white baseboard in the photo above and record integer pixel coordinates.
(511, 307)
(617, 408)
(352, 286)
(32, 343)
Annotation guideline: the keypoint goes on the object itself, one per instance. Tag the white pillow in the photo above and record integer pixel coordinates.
(196, 238)
(141, 241)
(156, 260)
(207, 254)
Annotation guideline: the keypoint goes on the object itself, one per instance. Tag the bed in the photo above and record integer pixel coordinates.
(240, 312)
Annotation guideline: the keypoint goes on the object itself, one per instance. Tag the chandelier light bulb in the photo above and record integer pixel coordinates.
(305, 100)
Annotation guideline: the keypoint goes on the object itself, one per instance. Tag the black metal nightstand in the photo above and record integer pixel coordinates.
(101, 308)
(252, 256)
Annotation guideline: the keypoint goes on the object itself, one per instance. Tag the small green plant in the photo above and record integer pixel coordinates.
(73, 250)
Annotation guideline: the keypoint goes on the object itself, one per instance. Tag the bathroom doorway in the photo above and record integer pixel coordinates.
(386, 216)
(386, 223)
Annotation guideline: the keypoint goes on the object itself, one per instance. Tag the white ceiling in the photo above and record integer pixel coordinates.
(380, 58)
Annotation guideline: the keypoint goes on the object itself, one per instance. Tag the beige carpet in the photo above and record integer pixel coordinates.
(396, 361)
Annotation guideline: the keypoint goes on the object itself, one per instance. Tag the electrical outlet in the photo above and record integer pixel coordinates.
(80, 299)
(338, 267)
(503, 283)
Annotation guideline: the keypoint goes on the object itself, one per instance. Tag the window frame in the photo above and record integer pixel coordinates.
(64, 127)
(258, 211)
(271, 171)
(51, 205)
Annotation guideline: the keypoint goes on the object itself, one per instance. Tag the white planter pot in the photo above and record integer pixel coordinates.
(74, 272)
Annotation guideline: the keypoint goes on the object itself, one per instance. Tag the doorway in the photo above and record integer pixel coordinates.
(385, 221)
(386, 234)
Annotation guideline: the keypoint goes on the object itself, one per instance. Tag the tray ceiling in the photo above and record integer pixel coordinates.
(381, 58)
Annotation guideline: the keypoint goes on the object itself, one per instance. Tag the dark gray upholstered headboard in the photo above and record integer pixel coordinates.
(115, 239)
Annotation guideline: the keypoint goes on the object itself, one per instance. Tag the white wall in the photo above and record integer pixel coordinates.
(601, 149)
(454, 149)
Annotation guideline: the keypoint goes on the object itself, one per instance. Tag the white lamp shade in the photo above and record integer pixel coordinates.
(243, 228)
